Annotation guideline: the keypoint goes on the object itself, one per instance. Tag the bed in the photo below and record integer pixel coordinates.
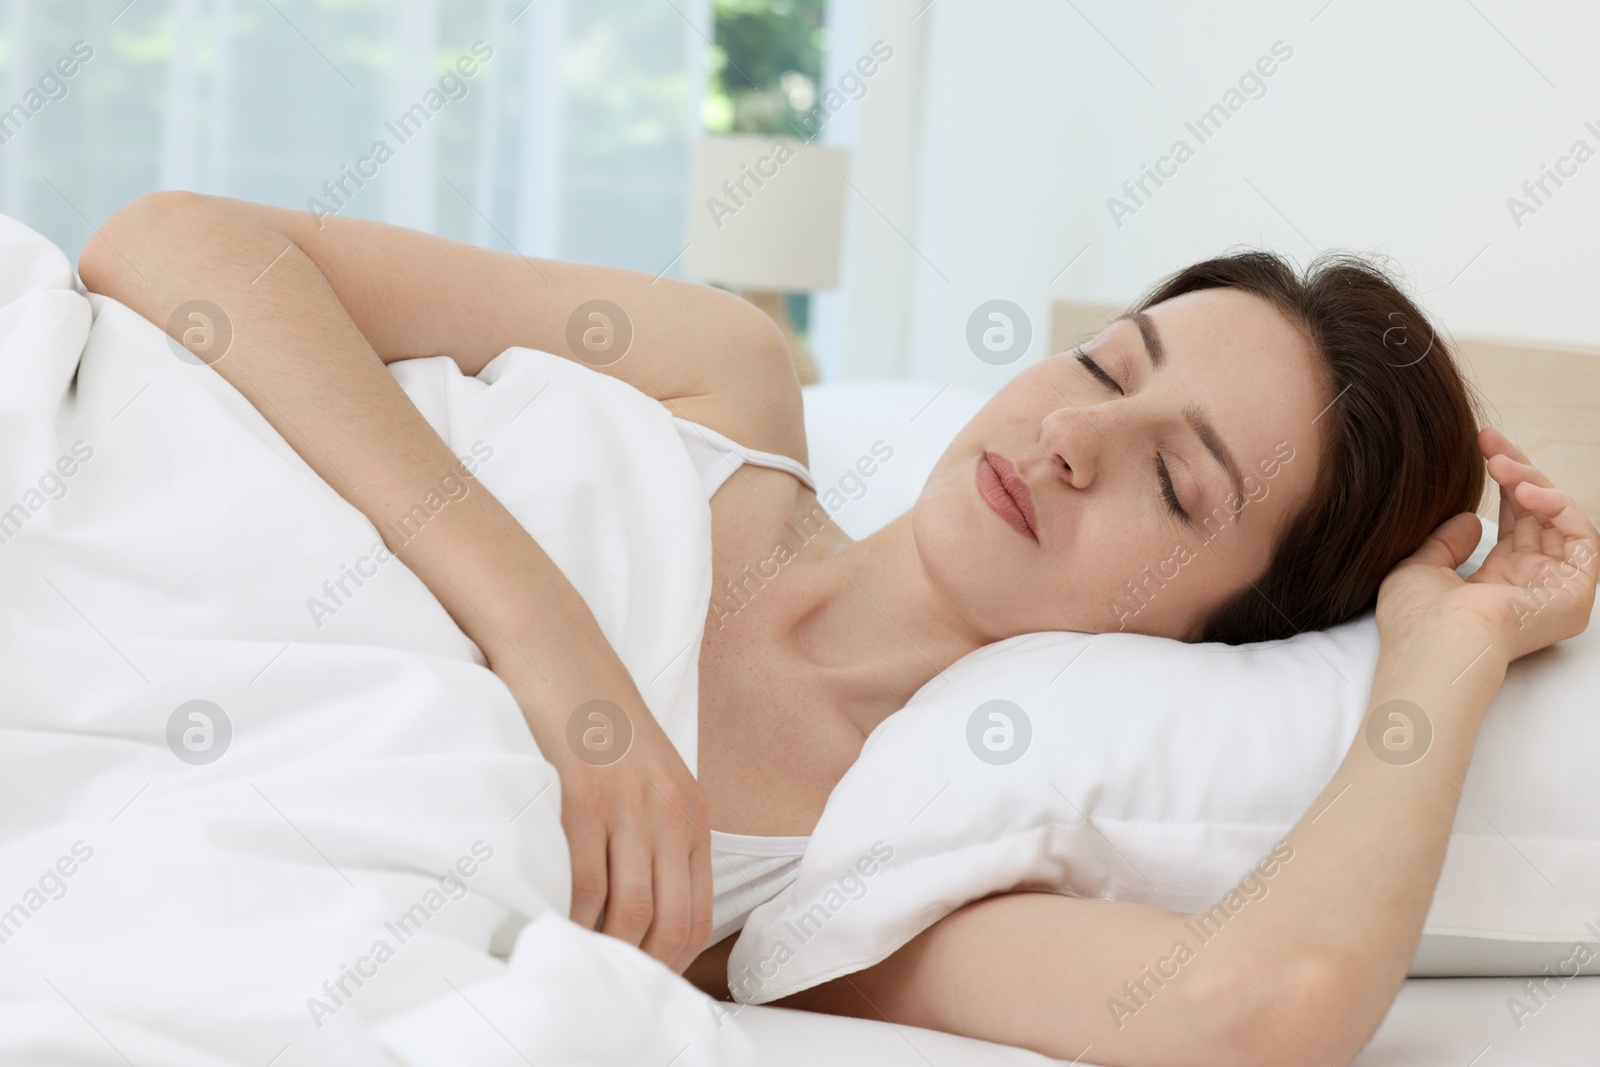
(249, 880)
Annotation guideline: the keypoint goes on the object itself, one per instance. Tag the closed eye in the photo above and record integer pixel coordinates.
(1097, 370)
(1169, 495)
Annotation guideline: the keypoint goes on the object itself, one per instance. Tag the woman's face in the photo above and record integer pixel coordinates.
(1216, 371)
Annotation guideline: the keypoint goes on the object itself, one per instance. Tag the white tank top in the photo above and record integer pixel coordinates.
(746, 869)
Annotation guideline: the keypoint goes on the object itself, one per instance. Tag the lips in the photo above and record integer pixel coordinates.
(1003, 489)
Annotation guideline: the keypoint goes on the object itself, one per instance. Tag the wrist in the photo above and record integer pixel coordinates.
(550, 700)
(1460, 660)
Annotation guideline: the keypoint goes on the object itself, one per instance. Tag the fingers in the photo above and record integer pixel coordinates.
(1578, 540)
(638, 836)
(630, 904)
(1543, 509)
(1492, 442)
(688, 874)
(1450, 544)
(1528, 533)
(1503, 469)
(1532, 532)
(655, 895)
(587, 843)
(655, 901)
(668, 935)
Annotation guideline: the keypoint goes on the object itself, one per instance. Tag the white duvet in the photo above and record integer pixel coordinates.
(349, 851)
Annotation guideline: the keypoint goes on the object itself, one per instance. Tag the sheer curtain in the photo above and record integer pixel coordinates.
(550, 127)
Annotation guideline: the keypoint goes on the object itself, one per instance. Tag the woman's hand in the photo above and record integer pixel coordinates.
(1537, 585)
(636, 824)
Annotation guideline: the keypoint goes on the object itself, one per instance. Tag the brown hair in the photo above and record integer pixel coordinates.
(1399, 440)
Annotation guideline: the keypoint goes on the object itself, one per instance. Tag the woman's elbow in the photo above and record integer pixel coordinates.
(1298, 1008)
(118, 257)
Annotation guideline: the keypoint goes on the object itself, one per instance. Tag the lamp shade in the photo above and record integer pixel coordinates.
(766, 213)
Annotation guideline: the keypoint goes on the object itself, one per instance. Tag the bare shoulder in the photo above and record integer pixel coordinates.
(754, 397)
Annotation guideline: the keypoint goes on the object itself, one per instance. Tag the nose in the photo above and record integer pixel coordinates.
(1074, 440)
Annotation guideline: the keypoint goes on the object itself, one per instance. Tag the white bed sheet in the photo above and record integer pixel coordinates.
(1435, 1022)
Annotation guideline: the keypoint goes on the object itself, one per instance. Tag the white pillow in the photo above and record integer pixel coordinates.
(1150, 770)
(873, 444)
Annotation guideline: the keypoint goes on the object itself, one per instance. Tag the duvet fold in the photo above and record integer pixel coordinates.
(261, 800)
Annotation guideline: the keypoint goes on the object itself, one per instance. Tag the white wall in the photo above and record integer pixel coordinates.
(1399, 129)
(861, 329)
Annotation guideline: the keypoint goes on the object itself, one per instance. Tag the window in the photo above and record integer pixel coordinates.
(764, 76)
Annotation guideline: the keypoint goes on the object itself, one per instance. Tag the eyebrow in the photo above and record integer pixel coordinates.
(1192, 413)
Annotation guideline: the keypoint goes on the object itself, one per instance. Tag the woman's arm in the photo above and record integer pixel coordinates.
(301, 303)
(713, 357)
(1304, 970)
(1300, 975)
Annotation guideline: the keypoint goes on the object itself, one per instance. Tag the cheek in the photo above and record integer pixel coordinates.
(1160, 582)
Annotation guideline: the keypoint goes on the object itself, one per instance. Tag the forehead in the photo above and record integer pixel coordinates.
(1241, 359)
(1222, 327)
(1258, 381)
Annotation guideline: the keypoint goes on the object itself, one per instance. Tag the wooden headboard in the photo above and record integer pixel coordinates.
(1546, 399)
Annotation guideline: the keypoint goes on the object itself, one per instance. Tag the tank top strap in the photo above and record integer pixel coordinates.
(717, 456)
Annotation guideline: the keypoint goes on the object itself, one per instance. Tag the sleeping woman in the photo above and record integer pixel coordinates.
(1084, 468)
